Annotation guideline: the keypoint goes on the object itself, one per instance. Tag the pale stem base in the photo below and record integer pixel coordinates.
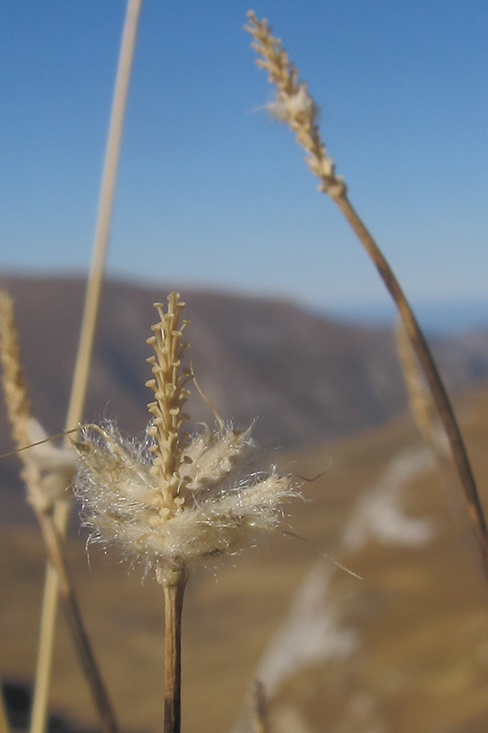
(174, 590)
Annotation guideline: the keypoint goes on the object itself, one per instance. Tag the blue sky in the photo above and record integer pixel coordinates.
(211, 192)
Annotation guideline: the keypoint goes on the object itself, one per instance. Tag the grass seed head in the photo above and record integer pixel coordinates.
(294, 104)
(47, 470)
(174, 499)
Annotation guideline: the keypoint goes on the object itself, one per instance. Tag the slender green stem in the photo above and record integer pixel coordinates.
(434, 380)
(174, 590)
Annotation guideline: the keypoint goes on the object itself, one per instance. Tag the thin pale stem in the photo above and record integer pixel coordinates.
(173, 609)
(54, 545)
(85, 348)
(44, 654)
(104, 216)
(434, 380)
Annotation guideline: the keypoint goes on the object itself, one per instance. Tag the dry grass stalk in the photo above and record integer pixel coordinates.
(419, 398)
(425, 415)
(54, 544)
(260, 709)
(104, 214)
(47, 473)
(83, 361)
(4, 724)
(295, 106)
(175, 499)
(173, 612)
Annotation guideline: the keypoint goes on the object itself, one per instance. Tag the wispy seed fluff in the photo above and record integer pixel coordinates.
(174, 499)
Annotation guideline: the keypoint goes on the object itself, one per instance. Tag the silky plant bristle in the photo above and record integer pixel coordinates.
(294, 104)
(47, 470)
(174, 499)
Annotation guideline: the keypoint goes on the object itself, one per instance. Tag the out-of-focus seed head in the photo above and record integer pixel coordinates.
(294, 104)
(47, 470)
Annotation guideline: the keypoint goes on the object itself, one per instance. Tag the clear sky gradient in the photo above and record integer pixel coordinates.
(212, 192)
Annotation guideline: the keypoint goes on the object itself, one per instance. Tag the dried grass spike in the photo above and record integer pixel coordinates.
(14, 386)
(170, 395)
(47, 470)
(174, 499)
(294, 104)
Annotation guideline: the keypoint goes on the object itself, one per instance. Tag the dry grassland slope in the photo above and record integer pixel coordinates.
(404, 649)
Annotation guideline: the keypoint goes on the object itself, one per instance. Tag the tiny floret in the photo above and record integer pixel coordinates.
(174, 499)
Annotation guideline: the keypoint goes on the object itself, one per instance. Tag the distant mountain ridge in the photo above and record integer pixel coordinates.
(302, 377)
(440, 317)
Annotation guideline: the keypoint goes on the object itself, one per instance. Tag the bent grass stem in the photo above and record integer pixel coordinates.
(295, 106)
(432, 376)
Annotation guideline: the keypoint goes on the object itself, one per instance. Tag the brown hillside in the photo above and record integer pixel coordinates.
(305, 378)
(403, 650)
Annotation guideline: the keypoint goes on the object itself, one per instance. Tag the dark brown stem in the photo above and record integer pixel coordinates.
(260, 711)
(439, 394)
(174, 590)
(86, 656)
(4, 722)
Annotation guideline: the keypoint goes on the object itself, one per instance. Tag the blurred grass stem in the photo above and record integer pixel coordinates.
(260, 711)
(426, 419)
(46, 477)
(85, 348)
(4, 726)
(54, 546)
(432, 376)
